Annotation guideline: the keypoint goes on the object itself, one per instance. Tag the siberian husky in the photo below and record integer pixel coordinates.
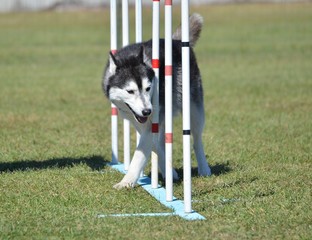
(128, 83)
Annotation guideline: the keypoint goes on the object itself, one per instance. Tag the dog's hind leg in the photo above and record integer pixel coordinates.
(197, 126)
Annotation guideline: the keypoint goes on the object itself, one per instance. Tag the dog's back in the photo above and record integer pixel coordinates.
(196, 23)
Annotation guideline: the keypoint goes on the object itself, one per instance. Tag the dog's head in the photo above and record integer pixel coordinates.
(128, 83)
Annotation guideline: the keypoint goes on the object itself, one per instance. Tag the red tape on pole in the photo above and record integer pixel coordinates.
(168, 70)
(114, 111)
(154, 127)
(169, 138)
(155, 63)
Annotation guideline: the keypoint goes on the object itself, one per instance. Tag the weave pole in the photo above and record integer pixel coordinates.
(125, 42)
(155, 120)
(168, 100)
(114, 111)
(138, 21)
(186, 114)
(138, 39)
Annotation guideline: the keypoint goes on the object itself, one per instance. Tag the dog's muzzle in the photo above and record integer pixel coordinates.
(145, 112)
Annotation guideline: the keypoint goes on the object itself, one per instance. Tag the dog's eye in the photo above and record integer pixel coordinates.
(130, 91)
(148, 89)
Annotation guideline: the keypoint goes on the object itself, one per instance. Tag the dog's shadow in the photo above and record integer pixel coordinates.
(96, 163)
(216, 170)
(221, 168)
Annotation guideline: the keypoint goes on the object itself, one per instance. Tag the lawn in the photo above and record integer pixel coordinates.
(255, 62)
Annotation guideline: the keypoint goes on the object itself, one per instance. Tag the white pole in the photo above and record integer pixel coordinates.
(125, 42)
(138, 39)
(155, 120)
(114, 112)
(138, 21)
(186, 106)
(168, 99)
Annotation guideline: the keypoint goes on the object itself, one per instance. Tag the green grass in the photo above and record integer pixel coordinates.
(55, 129)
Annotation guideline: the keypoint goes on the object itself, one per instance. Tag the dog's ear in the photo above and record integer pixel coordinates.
(144, 57)
(112, 63)
(141, 54)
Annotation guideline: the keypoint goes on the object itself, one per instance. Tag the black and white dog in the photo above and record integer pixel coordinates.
(128, 83)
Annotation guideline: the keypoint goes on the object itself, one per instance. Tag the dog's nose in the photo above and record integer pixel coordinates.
(146, 112)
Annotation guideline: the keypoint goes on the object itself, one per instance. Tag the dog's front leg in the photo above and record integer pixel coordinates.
(141, 154)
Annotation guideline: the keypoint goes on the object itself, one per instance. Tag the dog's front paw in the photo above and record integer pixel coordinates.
(124, 184)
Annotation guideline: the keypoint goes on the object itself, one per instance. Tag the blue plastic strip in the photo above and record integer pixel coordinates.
(177, 206)
(164, 214)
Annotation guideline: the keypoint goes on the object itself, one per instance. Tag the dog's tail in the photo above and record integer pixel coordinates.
(196, 24)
